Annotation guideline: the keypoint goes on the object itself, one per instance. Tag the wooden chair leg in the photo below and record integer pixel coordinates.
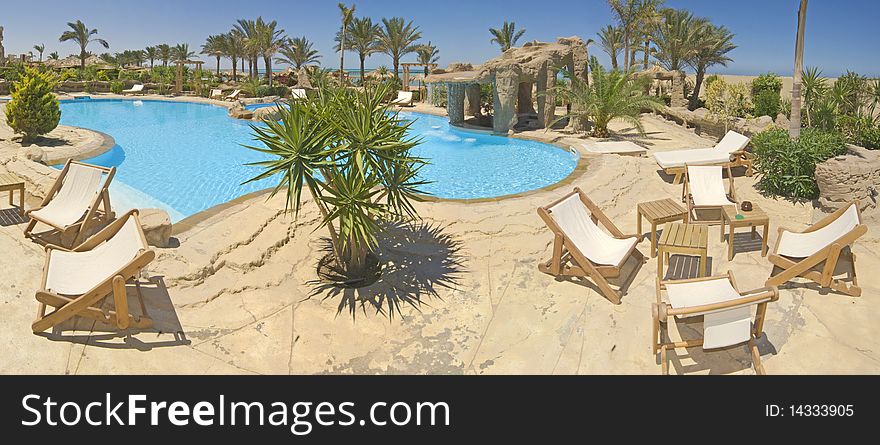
(121, 300)
(756, 358)
(664, 364)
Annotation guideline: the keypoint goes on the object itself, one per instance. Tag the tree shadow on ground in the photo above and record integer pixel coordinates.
(416, 260)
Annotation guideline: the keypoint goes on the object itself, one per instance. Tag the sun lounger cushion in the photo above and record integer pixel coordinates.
(403, 97)
(75, 273)
(598, 246)
(720, 328)
(731, 143)
(78, 190)
(707, 186)
(801, 245)
(298, 93)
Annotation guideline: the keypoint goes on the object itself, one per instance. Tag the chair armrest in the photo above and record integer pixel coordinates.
(50, 247)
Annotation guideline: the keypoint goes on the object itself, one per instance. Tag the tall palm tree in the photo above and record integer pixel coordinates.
(82, 36)
(164, 53)
(40, 48)
(54, 55)
(611, 40)
(428, 54)
(676, 38)
(507, 36)
(181, 52)
(268, 40)
(398, 38)
(627, 13)
(214, 46)
(347, 15)
(248, 30)
(794, 128)
(152, 53)
(714, 44)
(362, 37)
(650, 17)
(234, 49)
(298, 53)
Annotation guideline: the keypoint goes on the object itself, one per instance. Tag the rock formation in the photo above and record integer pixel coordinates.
(842, 179)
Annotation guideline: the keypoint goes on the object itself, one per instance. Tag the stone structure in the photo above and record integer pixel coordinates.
(667, 81)
(157, 226)
(521, 77)
(855, 175)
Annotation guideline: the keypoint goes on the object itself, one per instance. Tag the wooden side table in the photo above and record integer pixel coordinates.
(659, 212)
(10, 183)
(684, 239)
(753, 218)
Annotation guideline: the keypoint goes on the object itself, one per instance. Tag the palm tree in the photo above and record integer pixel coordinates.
(714, 44)
(398, 38)
(248, 30)
(268, 41)
(347, 14)
(649, 18)
(627, 13)
(676, 38)
(298, 53)
(214, 46)
(40, 48)
(362, 36)
(82, 36)
(428, 54)
(152, 53)
(234, 49)
(794, 129)
(54, 55)
(611, 95)
(611, 40)
(181, 52)
(507, 36)
(164, 53)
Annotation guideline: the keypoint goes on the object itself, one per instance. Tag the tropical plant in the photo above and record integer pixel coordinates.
(165, 53)
(268, 40)
(861, 131)
(54, 55)
(787, 166)
(649, 18)
(40, 49)
(362, 37)
(507, 36)
(233, 48)
(398, 38)
(33, 110)
(353, 156)
(611, 95)
(151, 53)
(298, 53)
(116, 87)
(251, 86)
(726, 101)
(346, 14)
(714, 44)
(766, 90)
(627, 14)
(247, 29)
(181, 52)
(611, 40)
(214, 46)
(676, 38)
(80, 34)
(428, 54)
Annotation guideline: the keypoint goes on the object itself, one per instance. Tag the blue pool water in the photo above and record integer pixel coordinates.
(258, 106)
(187, 157)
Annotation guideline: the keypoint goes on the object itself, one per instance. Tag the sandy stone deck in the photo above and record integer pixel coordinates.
(461, 294)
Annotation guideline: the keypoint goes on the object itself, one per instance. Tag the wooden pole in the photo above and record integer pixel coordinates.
(794, 129)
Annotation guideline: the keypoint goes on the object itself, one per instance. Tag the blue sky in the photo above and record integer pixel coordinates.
(840, 34)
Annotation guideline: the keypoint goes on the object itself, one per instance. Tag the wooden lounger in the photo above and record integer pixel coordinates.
(404, 99)
(797, 254)
(726, 312)
(729, 152)
(135, 89)
(703, 189)
(581, 248)
(75, 281)
(233, 95)
(79, 195)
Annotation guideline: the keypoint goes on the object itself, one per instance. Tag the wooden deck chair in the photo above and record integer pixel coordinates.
(581, 248)
(233, 95)
(78, 197)
(798, 254)
(76, 281)
(404, 99)
(703, 189)
(216, 94)
(730, 151)
(726, 312)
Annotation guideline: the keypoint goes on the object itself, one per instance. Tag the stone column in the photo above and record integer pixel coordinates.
(524, 99)
(677, 98)
(579, 69)
(504, 100)
(472, 94)
(546, 101)
(455, 103)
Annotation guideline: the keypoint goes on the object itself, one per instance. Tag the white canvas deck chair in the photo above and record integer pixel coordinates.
(726, 312)
(233, 95)
(216, 94)
(703, 189)
(404, 99)
(79, 196)
(799, 254)
(581, 248)
(298, 94)
(135, 89)
(76, 281)
(729, 151)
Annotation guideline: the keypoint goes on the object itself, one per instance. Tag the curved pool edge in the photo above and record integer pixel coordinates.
(79, 152)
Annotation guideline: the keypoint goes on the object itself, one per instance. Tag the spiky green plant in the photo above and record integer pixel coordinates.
(507, 36)
(353, 156)
(612, 95)
(33, 110)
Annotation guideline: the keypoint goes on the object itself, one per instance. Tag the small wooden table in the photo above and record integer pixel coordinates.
(684, 239)
(659, 212)
(753, 218)
(10, 183)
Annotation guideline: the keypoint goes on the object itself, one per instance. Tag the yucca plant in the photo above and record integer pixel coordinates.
(354, 156)
(611, 95)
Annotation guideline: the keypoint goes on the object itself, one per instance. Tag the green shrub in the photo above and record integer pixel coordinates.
(116, 87)
(767, 103)
(766, 82)
(33, 110)
(859, 131)
(787, 166)
(438, 95)
(277, 90)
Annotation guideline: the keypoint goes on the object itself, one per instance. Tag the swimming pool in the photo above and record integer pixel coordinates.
(258, 106)
(187, 157)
